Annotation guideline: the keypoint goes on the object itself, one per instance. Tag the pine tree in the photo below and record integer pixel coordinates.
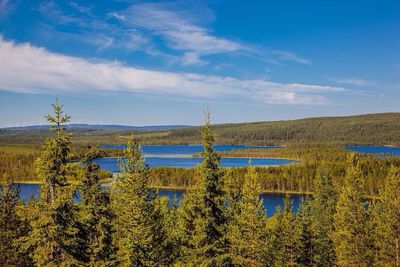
(247, 228)
(97, 217)
(52, 164)
(140, 233)
(286, 237)
(324, 208)
(388, 221)
(189, 216)
(209, 241)
(350, 236)
(54, 239)
(233, 186)
(305, 234)
(12, 226)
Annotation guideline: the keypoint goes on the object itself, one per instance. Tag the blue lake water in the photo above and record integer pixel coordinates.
(111, 164)
(185, 149)
(271, 201)
(376, 150)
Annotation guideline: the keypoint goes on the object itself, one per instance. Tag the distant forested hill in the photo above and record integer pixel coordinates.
(382, 128)
(378, 129)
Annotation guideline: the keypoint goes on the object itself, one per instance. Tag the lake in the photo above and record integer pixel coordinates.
(270, 200)
(111, 164)
(383, 151)
(185, 149)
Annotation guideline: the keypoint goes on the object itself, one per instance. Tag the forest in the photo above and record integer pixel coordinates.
(377, 129)
(219, 222)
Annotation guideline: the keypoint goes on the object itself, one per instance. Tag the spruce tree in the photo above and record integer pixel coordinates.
(97, 217)
(140, 232)
(189, 216)
(324, 208)
(247, 228)
(55, 236)
(12, 226)
(286, 237)
(305, 234)
(350, 236)
(388, 221)
(212, 244)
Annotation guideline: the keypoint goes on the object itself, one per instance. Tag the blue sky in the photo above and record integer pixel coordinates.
(163, 62)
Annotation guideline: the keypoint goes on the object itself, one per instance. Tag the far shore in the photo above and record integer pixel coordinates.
(183, 188)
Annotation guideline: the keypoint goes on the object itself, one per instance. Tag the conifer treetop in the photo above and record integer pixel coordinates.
(59, 118)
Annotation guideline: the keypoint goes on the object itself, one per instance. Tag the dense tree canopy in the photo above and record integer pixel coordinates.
(220, 221)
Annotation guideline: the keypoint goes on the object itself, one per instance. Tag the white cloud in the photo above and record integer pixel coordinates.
(353, 81)
(82, 9)
(116, 15)
(28, 69)
(183, 31)
(285, 55)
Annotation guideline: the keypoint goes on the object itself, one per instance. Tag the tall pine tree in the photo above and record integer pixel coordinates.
(324, 208)
(140, 232)
(305, 234)
(54, 239)
(12, 226)
(97, 217)
(350, 236)
(208, 244)
(247, 228)
(286, 237)
(388, 222)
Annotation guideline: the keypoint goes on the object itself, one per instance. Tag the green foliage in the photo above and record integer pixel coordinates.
(206, 218)
(350, 237)
(140, 233)
(12, 226)
(220, 221)
(387, 218)
(323, 210)
(305, 234)
(381, 128)
(97, 219)
(286, 236)
(247, 232)
(54, 238)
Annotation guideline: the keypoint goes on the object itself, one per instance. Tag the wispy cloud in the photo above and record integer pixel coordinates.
(116, 15)
(92, 30)
(185, 31)
(174, 31)
(353, 81)
(286, 55)
(83, 9)
(28, 69)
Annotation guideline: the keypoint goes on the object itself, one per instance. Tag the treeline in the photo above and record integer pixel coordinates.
(370, 129)
(299, 177)
(18, 162)
(383, 128)
(219, 222)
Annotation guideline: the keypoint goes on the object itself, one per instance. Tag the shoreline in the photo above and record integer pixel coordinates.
(184, 189)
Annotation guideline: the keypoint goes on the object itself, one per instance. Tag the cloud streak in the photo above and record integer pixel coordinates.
(184, 31)
(28, 69)
(353, 81)
(175, 32)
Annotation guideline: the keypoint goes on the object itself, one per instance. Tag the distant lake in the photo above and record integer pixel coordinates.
(377, 150)
(111, 164)
(270, 200)
(184, 149)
